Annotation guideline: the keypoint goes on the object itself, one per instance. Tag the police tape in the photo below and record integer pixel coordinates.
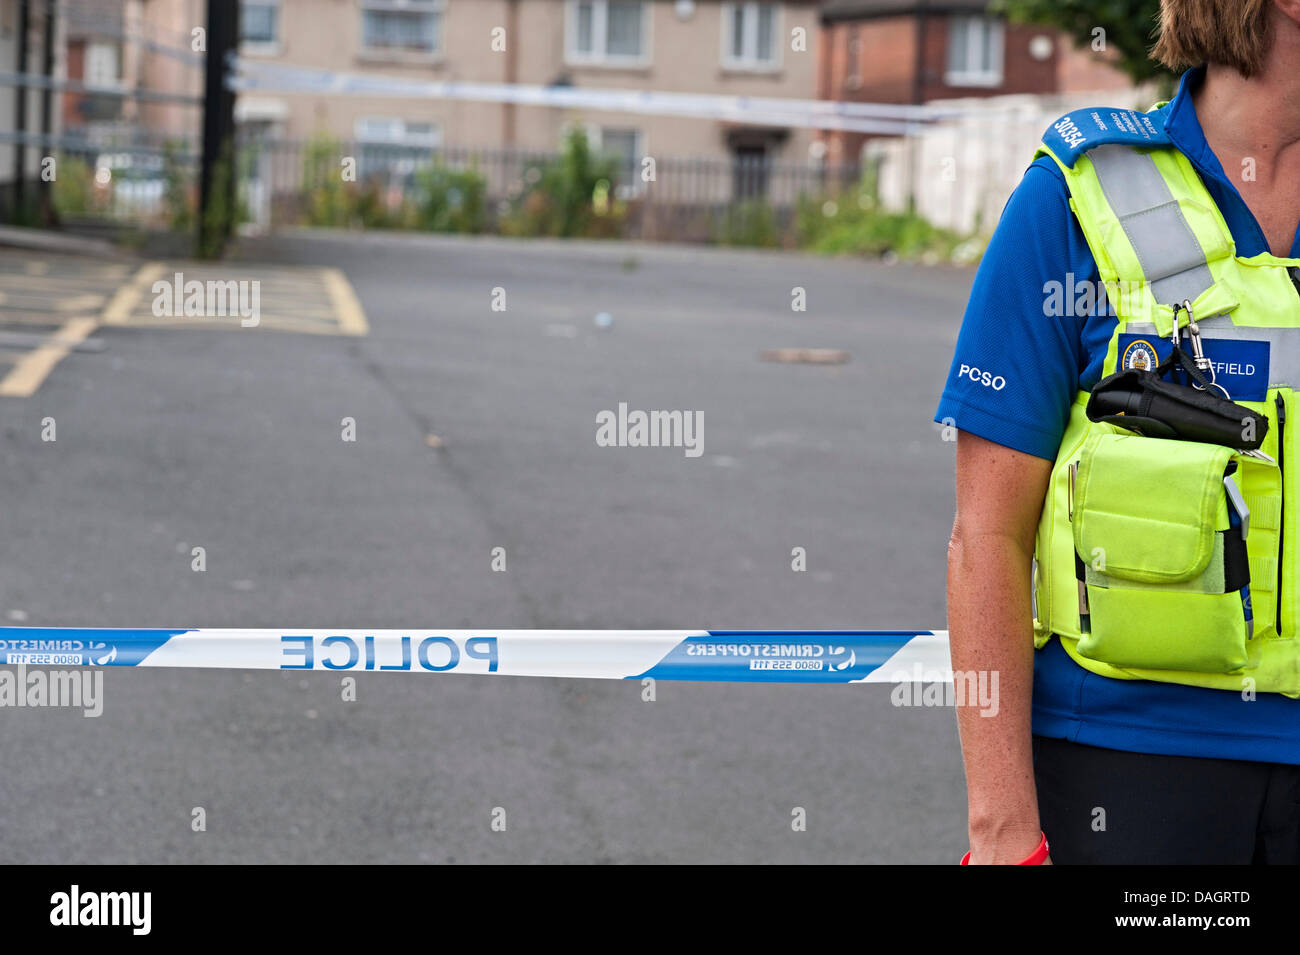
(728, 656)
(253, 76)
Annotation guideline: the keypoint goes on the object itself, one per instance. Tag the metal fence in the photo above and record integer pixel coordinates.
(651, 197)
(153, 183)
(107, 175)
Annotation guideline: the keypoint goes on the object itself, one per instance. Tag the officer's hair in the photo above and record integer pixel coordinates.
(1235, 33)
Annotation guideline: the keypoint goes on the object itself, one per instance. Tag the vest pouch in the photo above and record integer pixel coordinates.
(1161, 560)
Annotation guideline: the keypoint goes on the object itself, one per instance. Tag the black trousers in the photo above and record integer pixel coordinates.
(1106, 806)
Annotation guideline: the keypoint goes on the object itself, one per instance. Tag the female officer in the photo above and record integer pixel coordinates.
(1169, 768)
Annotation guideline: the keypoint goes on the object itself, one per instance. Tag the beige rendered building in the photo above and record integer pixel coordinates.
(689, 46)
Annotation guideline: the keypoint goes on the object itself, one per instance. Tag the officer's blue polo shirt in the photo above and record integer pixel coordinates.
(1043, 361)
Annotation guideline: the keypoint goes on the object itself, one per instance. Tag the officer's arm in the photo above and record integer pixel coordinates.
(1000, 493)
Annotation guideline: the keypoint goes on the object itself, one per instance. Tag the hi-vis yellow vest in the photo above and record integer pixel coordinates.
(1160, 241)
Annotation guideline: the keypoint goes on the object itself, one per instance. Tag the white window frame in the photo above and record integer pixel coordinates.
(395, 166)
(976, 26)
(438, 7)
(594, 134)
(600, 34)
(270, 47)
(99, 47)
(853, 59)
(595, 140)
(749, 61)
(433, 140)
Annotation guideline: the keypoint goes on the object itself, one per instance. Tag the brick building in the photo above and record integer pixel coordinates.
(904, 51)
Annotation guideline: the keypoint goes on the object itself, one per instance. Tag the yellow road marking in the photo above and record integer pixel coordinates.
(119, 307)
(268, 320)
(347, 308)
(82, 281)
(33, 368)
(337, 311)
(82, 303)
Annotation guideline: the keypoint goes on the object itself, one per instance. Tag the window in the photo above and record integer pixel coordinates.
(259, 21)
(853, 72)
(749, 36)
(974, 51)
(395, 149)
(607, 31)
(618, 143)
(624, 147)
(410, 26)
(400, 132)
(101, 64)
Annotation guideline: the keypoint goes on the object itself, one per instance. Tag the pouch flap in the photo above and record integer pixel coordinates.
(1147, 509)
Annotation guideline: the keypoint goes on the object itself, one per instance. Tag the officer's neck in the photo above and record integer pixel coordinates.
(1259, 116)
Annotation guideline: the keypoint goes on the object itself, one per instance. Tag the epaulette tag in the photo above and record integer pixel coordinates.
(1075, 133)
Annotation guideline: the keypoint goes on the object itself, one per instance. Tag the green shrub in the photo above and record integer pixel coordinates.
(853, 224)
(364, 203)
(750, 222)
(219, 218)
(73, 192)
(568, 196)
(178, 191)
(450, 200)
(326, 202)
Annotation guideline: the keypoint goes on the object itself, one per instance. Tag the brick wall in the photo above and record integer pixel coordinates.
(1021, 72)
(875, 60)
(76, 71)
(870, 61)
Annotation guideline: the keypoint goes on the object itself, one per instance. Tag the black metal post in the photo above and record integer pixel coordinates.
(20, 110)
(47, 109)
(217, 171)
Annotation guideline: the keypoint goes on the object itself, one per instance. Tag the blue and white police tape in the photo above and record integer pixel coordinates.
(259, 76)
(728, 656)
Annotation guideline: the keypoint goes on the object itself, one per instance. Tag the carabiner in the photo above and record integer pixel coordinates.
(1198, 353)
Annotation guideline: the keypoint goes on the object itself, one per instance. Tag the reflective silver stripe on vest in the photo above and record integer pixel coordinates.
(1283, 344)
(1172, 259)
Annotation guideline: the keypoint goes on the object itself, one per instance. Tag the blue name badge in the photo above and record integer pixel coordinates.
(1241, 367)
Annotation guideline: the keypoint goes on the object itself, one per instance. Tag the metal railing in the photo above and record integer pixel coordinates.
(151, 182)
(685, 199)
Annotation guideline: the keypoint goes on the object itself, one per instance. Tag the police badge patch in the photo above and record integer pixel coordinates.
(1141, 355)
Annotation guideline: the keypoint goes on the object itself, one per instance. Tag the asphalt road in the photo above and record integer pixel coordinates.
(230, 440)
